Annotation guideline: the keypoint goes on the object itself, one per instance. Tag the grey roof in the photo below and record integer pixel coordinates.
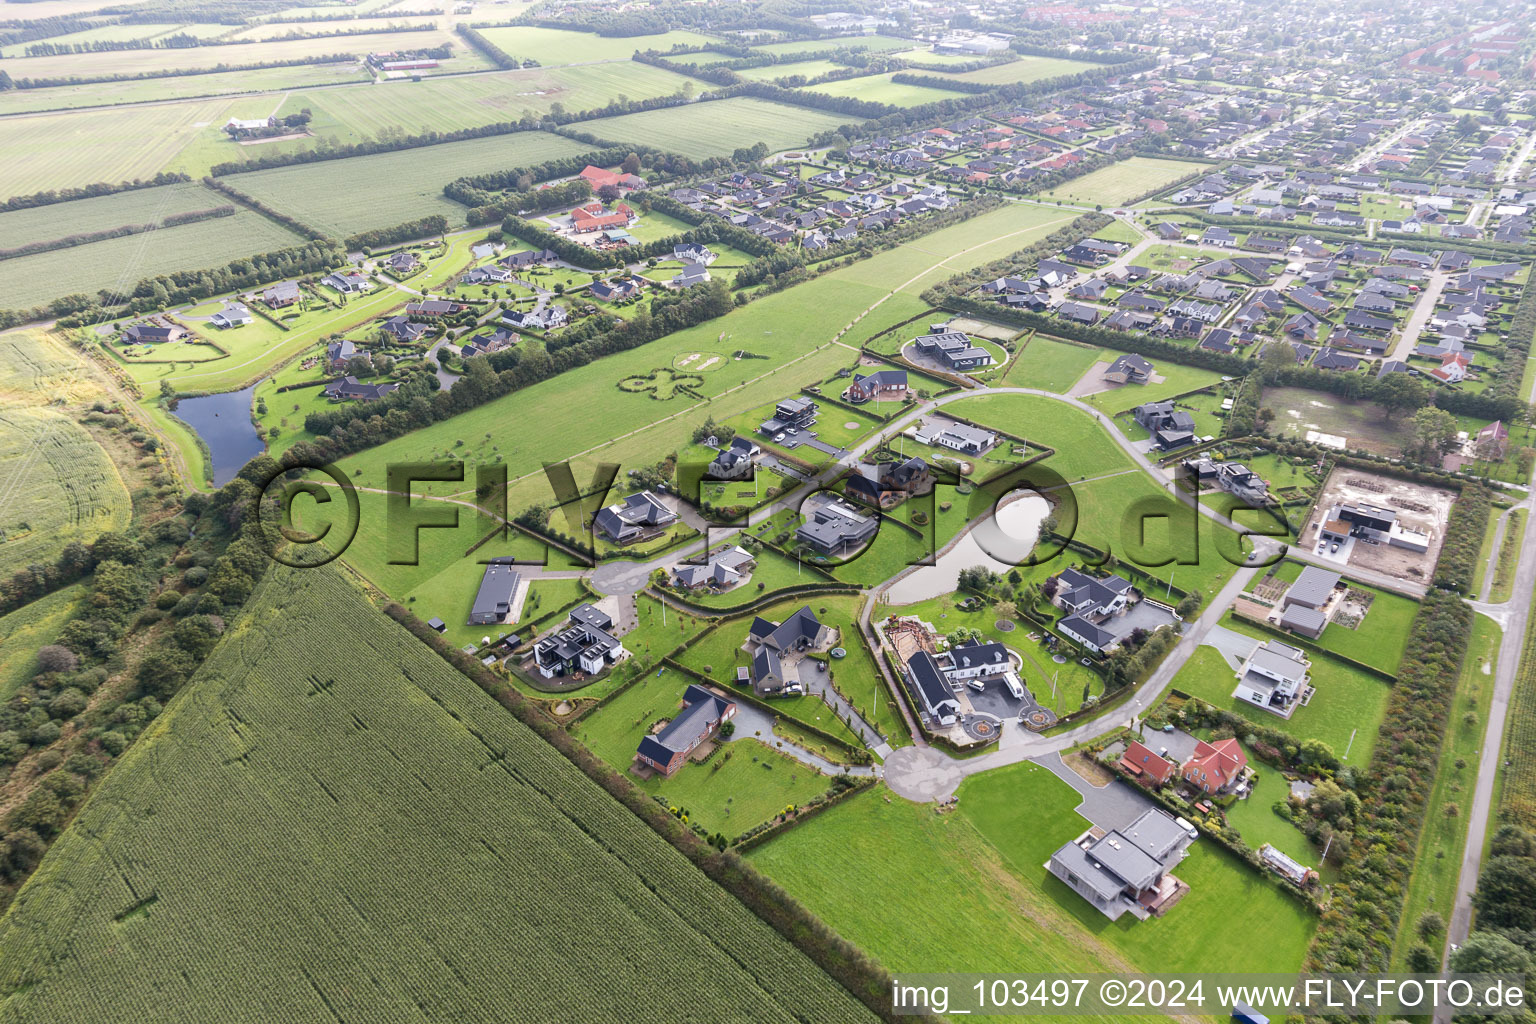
(931, 684)
(1303, 619)
(1279, 660)
(1313, 586)
(1081, 627)
(975, 652)
(701, 710)
(494, 598)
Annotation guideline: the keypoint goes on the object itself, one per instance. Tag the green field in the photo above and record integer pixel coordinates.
(808, 68)
(344, 789)
(450, 103)
(1083, 447)
(1344, 713)
(718, 127)
(189, 59)
(1123, 181)
(64, 97)
(65, 150)
(1025, 812)
(117, 264)
(555, 46)
(880, 89)
(1379, 639)
(875, 44)
(346, 196)
(1023, 71)
(29, 627)
(60, 486)
(1051, 365)
(1437, 864)
(101, 213)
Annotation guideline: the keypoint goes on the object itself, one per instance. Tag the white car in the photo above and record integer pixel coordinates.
(1194, 833)
(778, 436)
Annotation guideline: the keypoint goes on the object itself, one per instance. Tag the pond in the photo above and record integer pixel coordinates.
(1009, 533)
(223, 421)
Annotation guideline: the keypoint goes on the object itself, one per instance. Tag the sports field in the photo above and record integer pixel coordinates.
(345, 789)
(552, 46)
(1123, 181)
(342, 197)
(119, 263)
(880, 89)
(718, 127)
(62, 150)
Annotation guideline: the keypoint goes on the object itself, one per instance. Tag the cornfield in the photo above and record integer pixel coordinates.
(1517, 804)
(331, 824)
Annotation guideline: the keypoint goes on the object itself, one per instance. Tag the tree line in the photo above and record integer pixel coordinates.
(288, 221)
(70, 241)
(7, 82)
(433, 224)
(100, 188)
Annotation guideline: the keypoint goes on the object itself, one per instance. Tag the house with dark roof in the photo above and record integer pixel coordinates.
(637, 516)
(402, 329)
(778, 648)
(616, 290)
(350, 388)
(932, 689)
(699, 720)
(153, 334)
(1170, 428)
(734, 461)
(1129, 369)
(836, 527)
(789, 414)
(495, 599)
(586, 644)
(886, 385)
(885, 484)
(952, 349)
(284, 293)
(721, 571)
(1091, 597)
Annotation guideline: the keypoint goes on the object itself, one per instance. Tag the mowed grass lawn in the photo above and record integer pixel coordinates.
(1379, 639)
(1083, 447)
(926, 892)
(468, 101)
(880, 89)
(1051, 365)
(728, 794)
(718, 127)
(117, 264)
(63, 150)
(346, 196)
(1347, 703)
(1232, 919)
(1123, 181)
(553, 46)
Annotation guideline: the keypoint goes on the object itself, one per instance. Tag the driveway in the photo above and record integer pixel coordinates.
(1234, 646)
(1112, 806)
(752, 723)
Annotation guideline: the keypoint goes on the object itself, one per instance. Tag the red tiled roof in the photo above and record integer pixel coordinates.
(1214, 765)
(1141, 760)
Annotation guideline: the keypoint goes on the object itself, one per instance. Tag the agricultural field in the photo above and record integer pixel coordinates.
(874, 44)
(1123, 181)
(60, 486)
(188, 60)
(81, 148)
(450, 103)
(181, 87)
(426, 816)
(771, 72)
(880, 89)
(1023, 71)
(117, 264)
(343, 197)
(718, 127)
(30, 627)
(555, 46)
(101, 213)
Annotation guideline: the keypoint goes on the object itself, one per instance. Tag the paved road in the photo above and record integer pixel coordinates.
(1513, 615)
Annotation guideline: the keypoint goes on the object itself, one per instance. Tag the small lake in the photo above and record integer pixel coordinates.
(1009, 533)
(224, 423)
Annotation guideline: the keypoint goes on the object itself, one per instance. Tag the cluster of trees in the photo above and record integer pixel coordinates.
(1464, 538)
(501, 58)
(939, 82)
(432, 224)
(42, 28)
(163, 586)
(156, 293)
(69, 241)
(350, 428)
(100, 188)
(1505, 939)
(1368, 898)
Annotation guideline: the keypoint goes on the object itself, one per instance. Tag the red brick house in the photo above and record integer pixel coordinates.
(702, 715)
(1214, 767)
(1146, 765)
(592, 217)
